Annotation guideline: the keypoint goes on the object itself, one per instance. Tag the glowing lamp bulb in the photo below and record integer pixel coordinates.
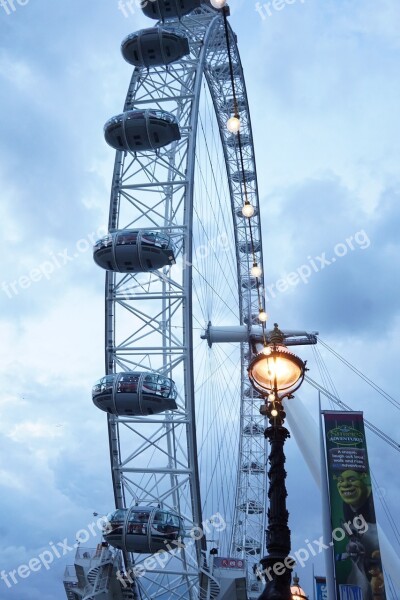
(233, 124)
(218, 3)
(262, 316)
(271, 397)
(274, 412)
(256, 271)
(248, 210)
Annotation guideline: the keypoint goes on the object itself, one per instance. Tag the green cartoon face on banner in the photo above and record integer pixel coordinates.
(358, 568)
(353, 487)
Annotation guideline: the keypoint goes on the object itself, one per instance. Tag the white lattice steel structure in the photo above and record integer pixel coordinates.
(194, 322)
(193, 190)
(209, 455)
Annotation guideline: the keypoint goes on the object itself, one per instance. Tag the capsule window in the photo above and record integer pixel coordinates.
(149, 238)
(128, 384)
(138, 523)
(127, 238)
(150, 384)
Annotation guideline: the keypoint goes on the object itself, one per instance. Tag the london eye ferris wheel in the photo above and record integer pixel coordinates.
(183, 305)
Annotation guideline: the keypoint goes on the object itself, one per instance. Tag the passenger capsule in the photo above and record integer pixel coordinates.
(135, 394)
(251, 547)
(241, 176)
(141, 130)
(249, 283)
(251, 319)
(253, 467)
(252, 507)
(233, 140)
(143, 529)
(130, 250)
(253, 429)
(169, 9)
(223, 72)
(248, 247)
(250, 392)
(154, 47)
(241, 215)
(229, 105)
(219, 41)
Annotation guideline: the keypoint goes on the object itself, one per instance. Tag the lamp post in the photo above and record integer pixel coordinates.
(276, 373)
(297, 592)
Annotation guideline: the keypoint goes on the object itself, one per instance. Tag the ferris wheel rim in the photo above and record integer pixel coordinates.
(110, 279)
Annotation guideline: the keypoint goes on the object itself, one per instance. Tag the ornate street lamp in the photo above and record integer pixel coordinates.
(276, 373)
(297, 592)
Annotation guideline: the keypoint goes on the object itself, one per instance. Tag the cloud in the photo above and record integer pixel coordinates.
(323, 88)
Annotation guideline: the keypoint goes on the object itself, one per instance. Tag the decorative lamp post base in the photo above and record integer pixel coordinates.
(277, 566)
(277, 586)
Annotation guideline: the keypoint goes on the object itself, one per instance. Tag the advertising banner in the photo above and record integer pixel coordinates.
(321, 588)
(350, 592)
(358, 566)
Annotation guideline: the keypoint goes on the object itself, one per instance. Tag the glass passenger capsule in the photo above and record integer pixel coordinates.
(252, 319)
(135, 394)
(233, 140)
(253, 467)
(143, 529)
(250, 392)
(141, 130)
(154, 47)
(169, 9)
(253, 429)
(251, 547)
(241, 176)
(130, 250)
(223, 72)
(249, 283)
(252, 508)
(239, 213)
(229, 105)
(218, 42)
(247, 247)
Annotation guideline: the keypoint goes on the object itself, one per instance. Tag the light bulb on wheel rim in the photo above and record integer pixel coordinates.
(233, 124)
(248, 210)
(263, 317)
(218, 3)
(256, 270)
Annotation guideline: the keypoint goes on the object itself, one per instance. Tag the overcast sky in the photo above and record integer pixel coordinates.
(324, 91)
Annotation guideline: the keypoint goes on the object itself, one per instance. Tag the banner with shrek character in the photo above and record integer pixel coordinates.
(358, 563)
